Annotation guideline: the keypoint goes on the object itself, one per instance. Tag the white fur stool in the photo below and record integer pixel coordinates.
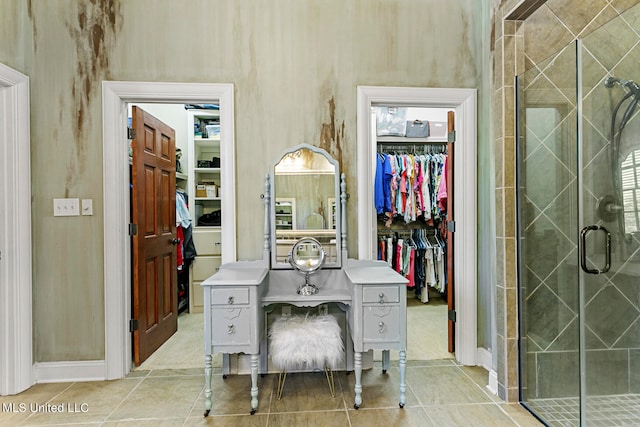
(299, 341)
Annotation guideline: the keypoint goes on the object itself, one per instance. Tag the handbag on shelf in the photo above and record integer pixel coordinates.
(417, 129)
(210, 219)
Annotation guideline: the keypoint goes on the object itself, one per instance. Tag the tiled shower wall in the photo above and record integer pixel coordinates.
(525, 33)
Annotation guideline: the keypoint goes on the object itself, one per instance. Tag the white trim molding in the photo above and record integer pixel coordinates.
(117, 281)
(485, 359)
(16, 329)
(463, 102)
(69, 371)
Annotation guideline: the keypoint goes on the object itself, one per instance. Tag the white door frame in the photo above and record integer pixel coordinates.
(117, 277)
(463, 102)
(16, 331)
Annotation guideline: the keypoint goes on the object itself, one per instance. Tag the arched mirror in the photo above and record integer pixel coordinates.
(305, 202)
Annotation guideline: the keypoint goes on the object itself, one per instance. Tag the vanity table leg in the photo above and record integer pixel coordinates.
(385, 360)
(254, 383)
(358, 371)
(207, 384)
(403, 370)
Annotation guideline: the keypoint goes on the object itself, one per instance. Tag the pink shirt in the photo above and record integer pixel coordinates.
(441, 196)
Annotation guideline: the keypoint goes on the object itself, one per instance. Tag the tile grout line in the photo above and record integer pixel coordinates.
(48, 401)
(193, 406)
(141, 379)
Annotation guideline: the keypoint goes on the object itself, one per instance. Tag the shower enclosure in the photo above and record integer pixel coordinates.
(579, 229)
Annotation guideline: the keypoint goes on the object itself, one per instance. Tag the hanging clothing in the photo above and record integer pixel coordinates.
(398, 266)
(183, 217)
(186, 249)
(179, 249)
(409, 187)
(410, 191)
(378, 184)
(439, 265)
(442, 188)
(430, 271)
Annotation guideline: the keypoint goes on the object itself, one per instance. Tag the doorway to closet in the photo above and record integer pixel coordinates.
(117, 96)
(463, 103)
(413, 196)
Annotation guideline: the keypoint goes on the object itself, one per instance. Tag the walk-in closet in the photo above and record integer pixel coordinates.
(413, 191)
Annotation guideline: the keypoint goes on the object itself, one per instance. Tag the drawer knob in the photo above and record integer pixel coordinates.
(230, 300)
(230, 329)
(381, 327)
(381, 296)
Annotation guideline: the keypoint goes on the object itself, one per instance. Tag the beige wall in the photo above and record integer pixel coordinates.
(295, 66)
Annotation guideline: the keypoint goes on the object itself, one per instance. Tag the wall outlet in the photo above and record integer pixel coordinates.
(66, 207)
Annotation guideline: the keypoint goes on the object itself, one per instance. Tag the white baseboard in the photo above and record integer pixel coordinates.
(485, 358)
(492, 386)
(71, 371)
(486, 361)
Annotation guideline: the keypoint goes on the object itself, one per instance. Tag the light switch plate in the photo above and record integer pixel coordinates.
(87, 206)
(66, 207)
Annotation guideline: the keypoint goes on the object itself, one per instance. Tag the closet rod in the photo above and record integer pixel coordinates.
(412, 146)
(406, 230)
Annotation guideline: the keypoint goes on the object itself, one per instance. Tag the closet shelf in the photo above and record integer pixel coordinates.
(405, 140)
(199, 139)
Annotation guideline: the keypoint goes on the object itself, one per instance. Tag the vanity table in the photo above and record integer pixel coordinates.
(241, 295)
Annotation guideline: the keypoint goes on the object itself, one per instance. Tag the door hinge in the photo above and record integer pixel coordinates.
(133, 325)
(451, 136)
(131, 133)
(133, 229)
(451, 226)
(451, 314)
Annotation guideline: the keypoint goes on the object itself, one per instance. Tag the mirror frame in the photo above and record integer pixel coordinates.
(311, 269)
(338, 214)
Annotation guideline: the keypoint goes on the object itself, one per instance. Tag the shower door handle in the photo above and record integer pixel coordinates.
(583, 249)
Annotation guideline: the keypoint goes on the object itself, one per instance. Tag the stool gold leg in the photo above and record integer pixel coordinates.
(282, 377)
(329, 374)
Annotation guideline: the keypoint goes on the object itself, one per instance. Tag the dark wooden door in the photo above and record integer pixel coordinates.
(450, 219)
(153, 176)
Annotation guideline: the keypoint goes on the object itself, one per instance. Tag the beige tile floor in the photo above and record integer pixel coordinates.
(168, 391)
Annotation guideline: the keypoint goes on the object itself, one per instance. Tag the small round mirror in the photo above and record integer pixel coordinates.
(307, 256)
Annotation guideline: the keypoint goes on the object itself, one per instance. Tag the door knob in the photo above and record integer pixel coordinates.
(175, 241)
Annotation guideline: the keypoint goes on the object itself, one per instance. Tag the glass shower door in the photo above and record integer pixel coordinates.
(548, 245)
(579, 229)
(610, 237)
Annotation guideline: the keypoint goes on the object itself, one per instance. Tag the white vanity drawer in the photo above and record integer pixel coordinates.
(380, 294)
(204, 267)
(231, 326)
(208, 242)
(229, 296)
(381, 323)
